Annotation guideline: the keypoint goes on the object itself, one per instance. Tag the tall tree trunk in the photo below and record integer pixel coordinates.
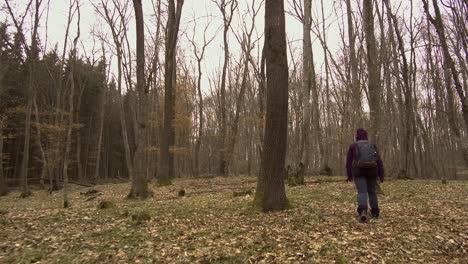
(71, 110)
(101, 125)
(355, 88)
(307, 65)
(139, 187)
(168, 136)
(227, 19)
(32, 54)
(325, 154)
(200, 121)
(271, 193)
(372, 67)
(66, 158)
(123, 122)
(408, 140)
(25, 192)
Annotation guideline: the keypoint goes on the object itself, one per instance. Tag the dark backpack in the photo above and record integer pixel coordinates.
(365, 156)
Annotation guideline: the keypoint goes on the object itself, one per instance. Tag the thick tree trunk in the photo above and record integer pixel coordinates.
(139, 187)
(372, 67)
(168, 136)
(271, 194)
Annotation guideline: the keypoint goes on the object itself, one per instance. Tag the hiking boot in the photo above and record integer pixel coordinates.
(363, 217)
(375, 213)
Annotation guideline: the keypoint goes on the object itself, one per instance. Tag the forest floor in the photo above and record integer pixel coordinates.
(421, 221)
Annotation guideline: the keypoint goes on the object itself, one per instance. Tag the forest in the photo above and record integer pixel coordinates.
(172, 126)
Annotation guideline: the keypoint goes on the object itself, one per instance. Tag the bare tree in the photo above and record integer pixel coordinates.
(438, 23)
(271, 194)
(71, 109)
(168, 136)
(139, 187)
(117, 29)
(32, 52)
(199, 53)
(372, 67)
(247, 44)
(356, 91)
(408, 140)
(310, 88)
(101, 121)
(227, 8)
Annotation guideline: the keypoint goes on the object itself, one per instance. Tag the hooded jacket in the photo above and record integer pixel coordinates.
(361, 134)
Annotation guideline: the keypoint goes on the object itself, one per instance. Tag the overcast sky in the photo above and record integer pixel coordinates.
(203, 11)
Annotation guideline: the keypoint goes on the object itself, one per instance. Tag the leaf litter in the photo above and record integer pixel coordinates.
(421, 222)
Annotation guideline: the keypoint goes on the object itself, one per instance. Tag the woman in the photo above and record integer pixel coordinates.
(364, 165)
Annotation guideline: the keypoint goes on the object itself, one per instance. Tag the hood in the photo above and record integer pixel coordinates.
(361, 134)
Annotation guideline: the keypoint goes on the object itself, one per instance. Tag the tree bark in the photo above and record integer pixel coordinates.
(355, 87)
(372, 67)
(139, 188)
(101, 125)
(71, 110)
(271, 194)
(32, 54)
(168, 136)
(200, 120)
(307, 79)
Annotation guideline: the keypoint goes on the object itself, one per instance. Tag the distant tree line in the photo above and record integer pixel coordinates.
(95, 114)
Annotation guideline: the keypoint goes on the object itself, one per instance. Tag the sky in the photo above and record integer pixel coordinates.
(204, 11)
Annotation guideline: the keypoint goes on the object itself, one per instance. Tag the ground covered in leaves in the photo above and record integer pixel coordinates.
(421, 221)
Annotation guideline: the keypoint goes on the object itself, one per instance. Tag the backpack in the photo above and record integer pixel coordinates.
(365, 156)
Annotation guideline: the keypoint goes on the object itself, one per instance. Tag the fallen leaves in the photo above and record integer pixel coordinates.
(422, 221)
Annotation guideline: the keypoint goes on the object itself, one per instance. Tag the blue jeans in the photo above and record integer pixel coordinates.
(366, 181)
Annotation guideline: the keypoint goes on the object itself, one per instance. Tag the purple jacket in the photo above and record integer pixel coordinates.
(361, 134)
